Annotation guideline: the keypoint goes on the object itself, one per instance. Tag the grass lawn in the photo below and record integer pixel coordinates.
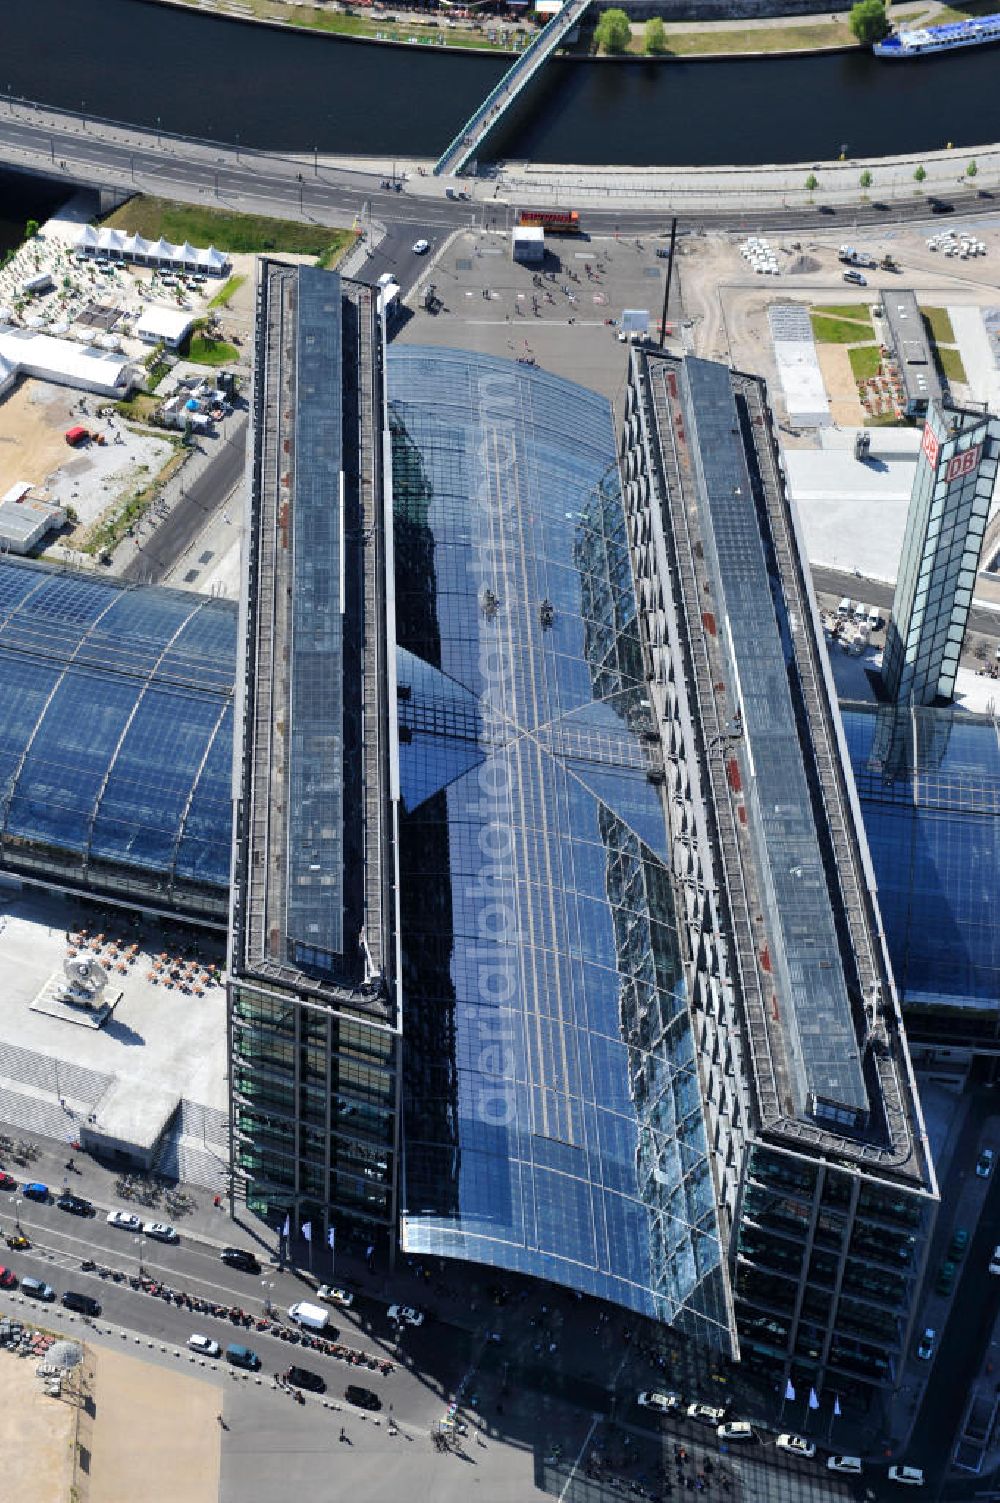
(951, 363)
(859, 311)
(227, 231)
(939, 324)
(225, 295)
(837, 330)
(865, 361)
(205, 351)
(702, 39)
(886, 420)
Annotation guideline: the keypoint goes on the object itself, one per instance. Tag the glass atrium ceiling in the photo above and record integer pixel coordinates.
(929, 784)
(553, 1117)
(116, 734)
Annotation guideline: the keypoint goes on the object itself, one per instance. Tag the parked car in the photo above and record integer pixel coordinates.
(405, 1315)
(35, 1190)
(301, 1377)
(909, 1476)
(204, 1345)
(7, 1181)
(8, 1278)
(75, 1204)
(984, 1164)
(84, 1304)
(38, 1289)
(663, 1403)
(796, 1445)
(706, 1414)
(736, 1430)
(945, 1282)
(125, 1221)
(362, 1397)
(959, 1244)
(160, 1231)
(238, 1257)
(926, 1344)
(336, 1294)
(242, 1356)
(850, 1464)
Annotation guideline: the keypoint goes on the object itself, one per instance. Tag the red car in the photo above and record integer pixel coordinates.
(8, 1280)
(7, 1181)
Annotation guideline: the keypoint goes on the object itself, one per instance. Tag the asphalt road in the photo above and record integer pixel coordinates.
(199, 501)
(37, 139)
(963, 1339)
(842, 582)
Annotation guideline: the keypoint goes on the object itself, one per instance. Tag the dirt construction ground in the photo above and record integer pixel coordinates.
(155, 1434)
(33, 422)
(36, 1436)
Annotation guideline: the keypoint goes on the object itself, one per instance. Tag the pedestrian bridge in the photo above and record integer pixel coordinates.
(524, 67)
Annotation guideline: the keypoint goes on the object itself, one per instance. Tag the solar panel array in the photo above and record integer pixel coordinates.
(314, 895)
(812, 993)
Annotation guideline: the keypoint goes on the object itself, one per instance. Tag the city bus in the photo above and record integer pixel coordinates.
(556, 221)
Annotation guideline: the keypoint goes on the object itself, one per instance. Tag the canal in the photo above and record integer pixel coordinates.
(204, 76)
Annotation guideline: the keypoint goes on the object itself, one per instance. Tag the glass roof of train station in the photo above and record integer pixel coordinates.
(929, 784)
(116, 727)
(553, 1117)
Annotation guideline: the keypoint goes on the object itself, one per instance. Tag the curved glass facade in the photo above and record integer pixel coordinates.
(116, 737)
(553, 1116)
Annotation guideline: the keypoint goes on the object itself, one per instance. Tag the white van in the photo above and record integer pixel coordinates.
(846, 606)
(850, 1464)
(313, 1317)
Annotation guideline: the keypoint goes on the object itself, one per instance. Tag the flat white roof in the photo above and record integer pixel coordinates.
(50, 359)
(529, 232)
(159, 322)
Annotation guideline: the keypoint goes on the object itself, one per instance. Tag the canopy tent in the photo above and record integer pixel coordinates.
(161, 253)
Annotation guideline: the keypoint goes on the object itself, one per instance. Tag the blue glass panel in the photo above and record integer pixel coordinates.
(552, 1119)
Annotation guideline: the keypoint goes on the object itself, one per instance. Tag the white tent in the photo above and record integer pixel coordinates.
(161, 253)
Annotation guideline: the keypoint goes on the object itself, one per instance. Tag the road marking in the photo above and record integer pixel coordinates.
(580, 1455)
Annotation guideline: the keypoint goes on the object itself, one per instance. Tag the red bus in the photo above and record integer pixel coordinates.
(558, 221)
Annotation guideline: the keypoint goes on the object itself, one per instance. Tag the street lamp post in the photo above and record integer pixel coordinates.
(237, 145)
(140, 1243)
(267, 1285)
(316, 161)
(83, 113)
(16, 1202)
(158, 130)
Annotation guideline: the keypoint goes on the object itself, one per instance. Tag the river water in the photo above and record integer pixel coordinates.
(134, 61)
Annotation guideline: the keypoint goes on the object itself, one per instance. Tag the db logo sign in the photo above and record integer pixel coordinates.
(930, 446)
(963, 464)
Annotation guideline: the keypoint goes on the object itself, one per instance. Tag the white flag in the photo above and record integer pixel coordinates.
(813, 1400)
(286, 1229)
(307, 1231)
(331, 1237)
(789, 1390)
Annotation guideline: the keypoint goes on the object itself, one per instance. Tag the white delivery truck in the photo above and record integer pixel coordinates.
(312, 1317)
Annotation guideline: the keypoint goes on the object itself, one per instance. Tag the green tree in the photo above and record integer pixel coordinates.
(866, 179)
(868, 21)
(812, 182)
(971, 170)
(656, 36)
(31, 229)
(919, 173)
(613, 32)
